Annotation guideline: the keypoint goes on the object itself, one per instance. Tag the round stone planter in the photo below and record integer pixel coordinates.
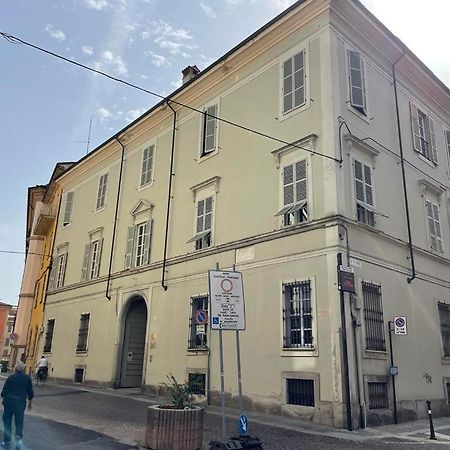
(174, 429)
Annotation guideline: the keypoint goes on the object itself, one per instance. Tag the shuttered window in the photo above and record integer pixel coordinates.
(138, 245)
(68, 209)
(364, 193)
(297, 315)
(147, 165)
(91, 260)
(295, 183)
(101, 192)
(83, 333)
(357, 82)
(434, 226)
(294, 82)
(49, 335)
(61, 263)
(424, 141)
(209, 130)
(203, 224)
(444, 321)
(447, 140)
(373, 317)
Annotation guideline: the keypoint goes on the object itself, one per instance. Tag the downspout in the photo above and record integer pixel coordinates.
(108, 282)
(402, 164)
(169, 196)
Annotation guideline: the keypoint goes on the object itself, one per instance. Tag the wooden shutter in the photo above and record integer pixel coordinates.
(68, 209)
(300, 181)
(200, 216)
(288, 185)
(52, 275)
(287, 85)
(368, 185)
(437, 228)
(209, 135)
(432, 141)
(356, 78)
(299, 79)
(84, 270)
(63, 276)
(147, 240)
(415, 127)
(359, 181)
(129, 247)
(98, 258)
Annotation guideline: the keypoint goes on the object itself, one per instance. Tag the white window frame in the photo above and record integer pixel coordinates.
(147, 166)
(436, 235)
(138, 244)
(447, 146)
(92, 256)
(101, 192)
(58, 275)
(203, 152)
(368, 209)
(203, 238)
(360, 108)
(423, 135)
(68, 209)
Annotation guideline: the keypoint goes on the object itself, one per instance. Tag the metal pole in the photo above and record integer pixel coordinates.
(222, 381)
(348, 403)
(430, 416)
(238, 351)
(394, 395)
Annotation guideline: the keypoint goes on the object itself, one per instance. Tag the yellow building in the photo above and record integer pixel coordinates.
(44, 227)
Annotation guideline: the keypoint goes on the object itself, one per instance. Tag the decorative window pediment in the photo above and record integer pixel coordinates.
(142, 206)
(210, 182)
(308, 142)
(431, 187)
(361, 145)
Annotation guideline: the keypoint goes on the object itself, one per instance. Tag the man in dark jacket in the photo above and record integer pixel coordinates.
(18, 387)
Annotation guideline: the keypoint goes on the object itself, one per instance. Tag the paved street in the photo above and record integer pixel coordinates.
(69, 418)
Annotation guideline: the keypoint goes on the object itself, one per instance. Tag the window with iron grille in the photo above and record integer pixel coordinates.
(364, 193)
(203, 224)
(295, 205)
(83, 333)
(209, 130)
(198, 333)
(373, 317)
(101, 192)
(447, 386)
(197, 383)
(357, 82)
(434, 226)
(300, 392)
(424, 141)
(378, 395)
(79, 375)
(147, 165)
(49, 335)
(444, 319)
(297, 315)
(294, 82)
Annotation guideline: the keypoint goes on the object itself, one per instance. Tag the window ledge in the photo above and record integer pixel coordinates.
(96, 211)
(375, 354)
(81, 353)
(301, 351)
(197, 351)
(445, 360)
(358, 113)
(207, 155)
(426, 160)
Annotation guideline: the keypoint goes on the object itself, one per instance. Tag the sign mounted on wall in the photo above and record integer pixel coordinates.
(226, 294)
(346, 279)
(400, 325)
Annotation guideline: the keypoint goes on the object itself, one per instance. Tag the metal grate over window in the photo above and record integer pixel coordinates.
(444, 319)
(297, 315)
(79, 376)
(373, 317)
(49, 335)
(197, 383)
(378, 395)
(83, 333)
(300, 392)
(198, 333)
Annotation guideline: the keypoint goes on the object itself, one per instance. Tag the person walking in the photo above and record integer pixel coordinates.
(41, 370)
(18, 387)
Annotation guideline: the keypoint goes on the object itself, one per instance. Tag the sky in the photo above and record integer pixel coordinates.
(47, 104)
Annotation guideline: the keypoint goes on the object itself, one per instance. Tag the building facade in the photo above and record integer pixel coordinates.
(7, 315)
(321, 134)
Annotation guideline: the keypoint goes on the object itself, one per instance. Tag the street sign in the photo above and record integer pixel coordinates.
(393, 370)
(13, 336)
(200, 329)
(355, 262)
(400, 325)
(346, 279)
(201, 317)
(243, 425)
(226, 294)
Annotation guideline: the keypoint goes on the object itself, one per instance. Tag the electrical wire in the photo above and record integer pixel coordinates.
(23, 253)
(15, 40)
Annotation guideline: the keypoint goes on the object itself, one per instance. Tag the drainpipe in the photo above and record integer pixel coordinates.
(402, 164)
(107, 294)
(169, 197)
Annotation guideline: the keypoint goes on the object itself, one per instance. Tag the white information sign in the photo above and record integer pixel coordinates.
(400, 325)
(226, 294)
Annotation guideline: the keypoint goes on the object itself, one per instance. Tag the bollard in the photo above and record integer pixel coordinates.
(430, 417)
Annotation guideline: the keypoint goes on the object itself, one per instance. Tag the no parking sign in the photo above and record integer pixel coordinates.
(400, 325)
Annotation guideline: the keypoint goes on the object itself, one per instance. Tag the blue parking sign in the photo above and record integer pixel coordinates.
(243, 425)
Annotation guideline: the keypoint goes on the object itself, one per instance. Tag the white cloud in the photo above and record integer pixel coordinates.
(57, 34)
(96, 4)
(208, 10)
(88, 50)
(159, 60)
(176, 84)
(109, 59)
(280, 5)
(104, 115)
(133, 114)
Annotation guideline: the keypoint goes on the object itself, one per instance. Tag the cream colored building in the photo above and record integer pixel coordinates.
(302, 163)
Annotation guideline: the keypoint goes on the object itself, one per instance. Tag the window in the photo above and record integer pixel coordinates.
(364, 193)
(434, 226)
(204, 213)
(83, 333)
(447, 141)
(138, 245)
(197, 383)
(357, 82)
(209, 130)
(91, 260)
(444, 320)
(79, 375)
(423, 134)
(295, 206)
(58, 271)
(101, 192)
(49, 335)
(294, 82)
(6, 341)
(147, 166)
(373, 317)
(297, 315)
(378, 395)
(68, 209)
(300, 392)
(5, 353)
(198, 333)
(447, 391)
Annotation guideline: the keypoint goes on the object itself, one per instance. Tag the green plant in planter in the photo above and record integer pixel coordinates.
(181, 396)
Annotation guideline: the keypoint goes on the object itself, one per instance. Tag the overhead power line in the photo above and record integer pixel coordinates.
(15, 40)
(23, 253)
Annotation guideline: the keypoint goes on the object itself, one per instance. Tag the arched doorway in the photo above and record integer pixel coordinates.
(132, 361)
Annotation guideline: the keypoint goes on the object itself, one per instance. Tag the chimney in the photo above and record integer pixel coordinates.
(189, 72)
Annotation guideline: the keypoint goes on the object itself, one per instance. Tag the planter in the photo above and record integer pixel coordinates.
(174, 429)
